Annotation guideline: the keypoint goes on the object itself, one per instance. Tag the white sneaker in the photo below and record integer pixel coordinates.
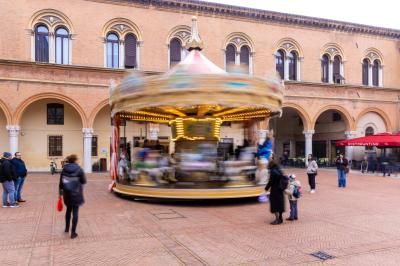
(312, 191)
(14, 206)
(5, 206)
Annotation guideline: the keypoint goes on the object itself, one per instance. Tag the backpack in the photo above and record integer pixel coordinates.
(297, 192)
(283, 182)
(71, 184)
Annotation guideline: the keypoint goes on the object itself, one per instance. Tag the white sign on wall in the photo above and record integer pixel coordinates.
(154, 130)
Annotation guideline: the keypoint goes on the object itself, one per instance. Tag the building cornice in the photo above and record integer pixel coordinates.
(70, 67)
(290, 83)
(258, 15)
(122, 72)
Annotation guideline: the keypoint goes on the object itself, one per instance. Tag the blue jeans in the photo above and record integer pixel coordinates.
(19, 183)
(8, 193)
(293, 209)
(341, 178)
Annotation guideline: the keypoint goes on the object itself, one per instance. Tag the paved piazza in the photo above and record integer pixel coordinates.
(359, 225)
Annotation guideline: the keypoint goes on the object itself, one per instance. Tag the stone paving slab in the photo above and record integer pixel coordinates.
(359, 225)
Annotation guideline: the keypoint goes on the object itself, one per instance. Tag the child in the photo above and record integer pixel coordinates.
(293, 192)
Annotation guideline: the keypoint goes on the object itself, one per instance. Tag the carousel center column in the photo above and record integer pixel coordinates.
(308, 143)
(349, 149)
(87, 149)
(262, 130)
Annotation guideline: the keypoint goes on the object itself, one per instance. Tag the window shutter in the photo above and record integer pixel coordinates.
(175, 48)
(130, 51)
(279, 63)
(375, 73)
(365, 72)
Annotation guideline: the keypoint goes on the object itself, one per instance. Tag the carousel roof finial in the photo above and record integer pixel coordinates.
(194, 42)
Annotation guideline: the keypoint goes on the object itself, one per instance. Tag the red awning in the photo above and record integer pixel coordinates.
(379, 140)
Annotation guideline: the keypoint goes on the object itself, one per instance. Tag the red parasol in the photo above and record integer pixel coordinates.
(384, 140)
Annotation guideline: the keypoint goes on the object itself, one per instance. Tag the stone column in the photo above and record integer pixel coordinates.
(121, 58)
(33, 59)
(330, 72)
(105, 53)
(298, 69)
(87, 149)
(52, 50)
(286, 68)
(369, 75)
(70, 50)
(13, 135)
(349, 149)
(308, 141)
(237, 58)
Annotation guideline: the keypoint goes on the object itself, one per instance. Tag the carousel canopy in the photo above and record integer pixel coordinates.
(196, 88)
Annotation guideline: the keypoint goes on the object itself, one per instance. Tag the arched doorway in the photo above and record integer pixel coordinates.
(369, 123)
(289, 135)
(102, 131)
(51, 129)
(330, 126)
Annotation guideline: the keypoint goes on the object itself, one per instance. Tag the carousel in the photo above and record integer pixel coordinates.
(194, 99)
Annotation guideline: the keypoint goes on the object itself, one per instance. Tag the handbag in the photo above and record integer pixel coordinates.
(60, 204)
(346, 169)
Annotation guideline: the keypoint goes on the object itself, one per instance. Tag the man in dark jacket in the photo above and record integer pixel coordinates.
(8, 176)
(342, 165)
(21, 170)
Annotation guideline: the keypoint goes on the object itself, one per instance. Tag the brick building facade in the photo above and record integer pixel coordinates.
(57, 59)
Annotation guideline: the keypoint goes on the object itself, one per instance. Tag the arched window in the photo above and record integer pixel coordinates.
(375, 73)
(245, 57)
(292, 58)
(130, 51)
(325, 68)
(368, 132)
(280, 63)
(112, 50)
(41, 44)
(175, 52)
(365, 70)
(336, 69)
(62, 46)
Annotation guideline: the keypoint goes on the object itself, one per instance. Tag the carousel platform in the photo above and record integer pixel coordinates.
(189, 193)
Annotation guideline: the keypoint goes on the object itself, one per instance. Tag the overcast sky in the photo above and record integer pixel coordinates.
(382, 13)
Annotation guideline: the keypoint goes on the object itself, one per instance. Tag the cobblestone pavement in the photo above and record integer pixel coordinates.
(358, 225)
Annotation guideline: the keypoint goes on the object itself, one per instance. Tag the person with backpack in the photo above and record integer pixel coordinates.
(277, 184)
(312, 169)
(72, 179)
(8, 177)
(294, 193)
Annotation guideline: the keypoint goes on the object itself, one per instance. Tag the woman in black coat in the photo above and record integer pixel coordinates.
(276, 197)
(72, 179)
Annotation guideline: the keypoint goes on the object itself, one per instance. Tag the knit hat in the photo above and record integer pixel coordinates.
(6, 154)
(292, 176)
